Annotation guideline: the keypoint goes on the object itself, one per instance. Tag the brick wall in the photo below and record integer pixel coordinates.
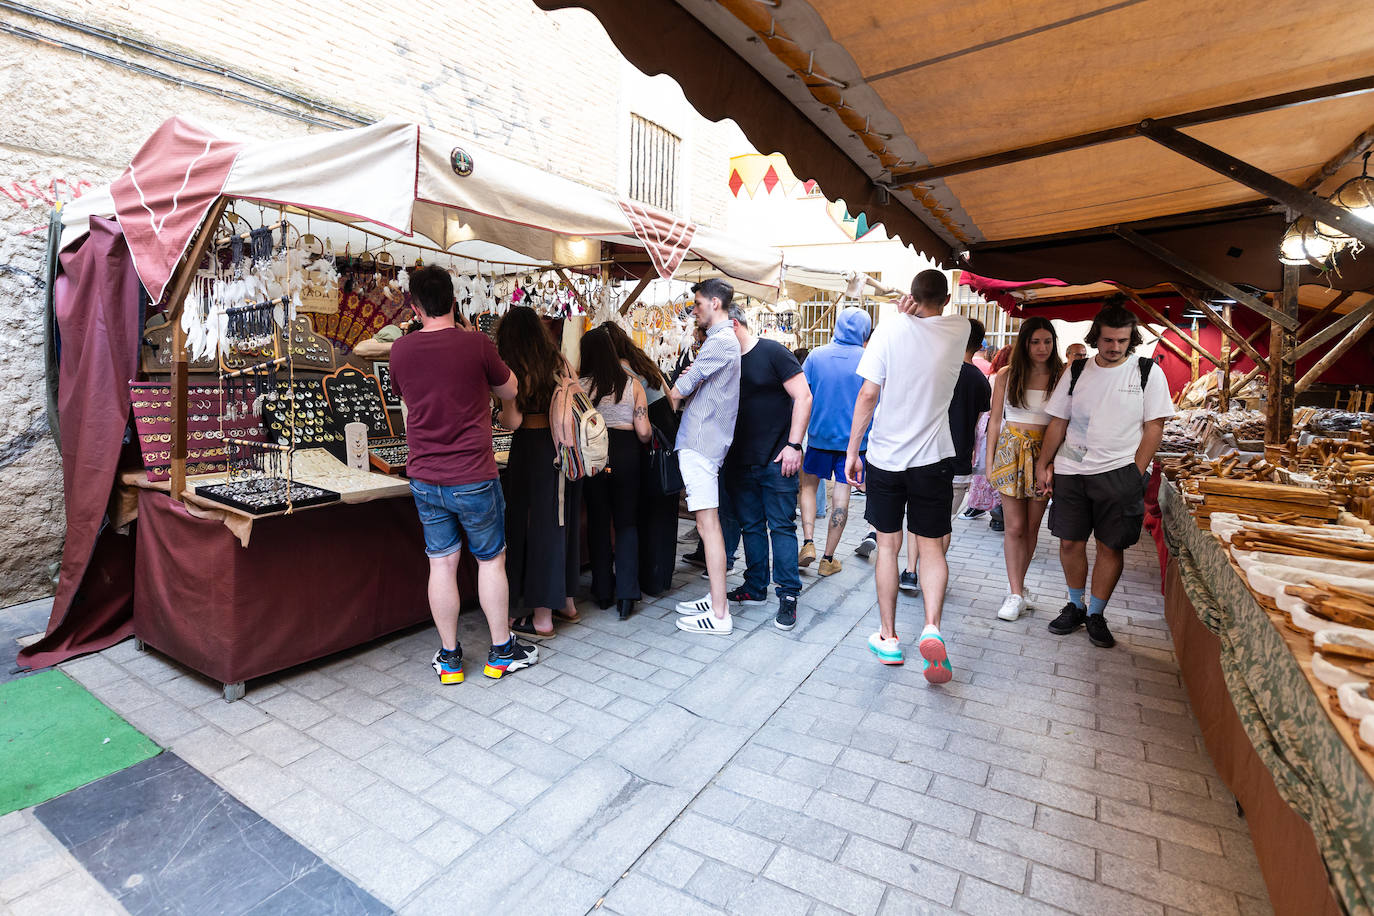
(542, 88)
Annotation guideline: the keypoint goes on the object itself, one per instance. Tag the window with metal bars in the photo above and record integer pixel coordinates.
(653, 164)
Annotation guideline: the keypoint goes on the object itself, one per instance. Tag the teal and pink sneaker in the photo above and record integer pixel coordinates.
(887, 650)
(932, 646)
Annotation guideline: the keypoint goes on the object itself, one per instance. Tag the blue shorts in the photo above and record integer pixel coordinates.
(475, 509)
(825, 463)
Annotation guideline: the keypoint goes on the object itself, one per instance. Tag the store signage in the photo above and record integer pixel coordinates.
(461, 162)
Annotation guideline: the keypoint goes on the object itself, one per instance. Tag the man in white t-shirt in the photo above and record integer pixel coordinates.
(912, 363)
(1107, 419)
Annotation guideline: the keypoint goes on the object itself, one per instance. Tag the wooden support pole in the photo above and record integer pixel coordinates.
(1317, 319)
(1223, 323)
(635, 293)
(1336, 327)
(1339, 350)
(181, 283)
(1279, 422)
(1160, 318)
(1246, 379)
(1176, 349)
(1225, 387)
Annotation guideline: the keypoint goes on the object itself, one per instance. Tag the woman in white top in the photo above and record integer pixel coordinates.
(612, 499)
(1016, 430)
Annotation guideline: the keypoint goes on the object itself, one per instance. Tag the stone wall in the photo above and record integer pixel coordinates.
(544, 88)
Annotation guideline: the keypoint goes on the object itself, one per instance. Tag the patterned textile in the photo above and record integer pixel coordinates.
(362, 313)
(1013, 466)
(1313, 769)
(981, 494)
(666, 237)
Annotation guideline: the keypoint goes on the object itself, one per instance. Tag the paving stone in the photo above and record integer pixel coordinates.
(278, 742)
(293, 709)
(968, 857)
(721, 842)
(355, 705)
(209, 750)
(165, 721)
(532, 722)
(587, 719)
(319, 823)
(520, 787)
(402, 767)
(471, 725)
(334, 775)
(1164, 826)
(129, 694)
(638, 894)
(1037, 846)
(764, 898)
(536, 756)
(717, 883)
(670, 864)
(347, 737)
(1153, 773)
(856, 817)
(258, 782)
(1044, 792)
(900, 869)
(849, 891)
(980, 898)
(394, 810)
(1087, 898)
(74, 893)
(232, 718)
(923, 808)
(389, 869)
(763, 787)
(989, 801)
(311, 683)
(1167, 888)
(469, 803)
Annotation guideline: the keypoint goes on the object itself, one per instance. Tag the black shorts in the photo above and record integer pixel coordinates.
(922, 494)
(1110, 505)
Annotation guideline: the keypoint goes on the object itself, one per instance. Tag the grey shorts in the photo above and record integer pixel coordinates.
(1110, 505)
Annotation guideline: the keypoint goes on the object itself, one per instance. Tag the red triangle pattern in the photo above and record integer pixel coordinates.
(736, 182)
(666, 237)
(771, 179)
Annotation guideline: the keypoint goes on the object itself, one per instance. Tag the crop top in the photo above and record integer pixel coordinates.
(617, 414)
(1033, 414)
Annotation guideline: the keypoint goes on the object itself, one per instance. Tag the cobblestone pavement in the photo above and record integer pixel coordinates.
(646, 771)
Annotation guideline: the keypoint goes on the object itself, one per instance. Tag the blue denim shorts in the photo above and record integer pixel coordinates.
(477, 510)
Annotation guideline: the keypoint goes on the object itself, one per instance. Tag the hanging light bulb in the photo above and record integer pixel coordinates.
(1355, 196)
(1304, 245)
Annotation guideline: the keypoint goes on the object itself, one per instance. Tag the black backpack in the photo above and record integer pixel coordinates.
(1077, 366)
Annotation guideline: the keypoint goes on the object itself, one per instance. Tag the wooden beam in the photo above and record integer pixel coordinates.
(1173, 221)
(1242, 172)
(182, 278)
(1247, 378)
(1328, 332)
(1224, 389)
(1159, 317)
(1339, 350)
(1279, 422)
(1317, 319)
(1229, 333)
(1098, 137)
(1175, 348)
(636, 293)
(1340, 160)
(1206, 278)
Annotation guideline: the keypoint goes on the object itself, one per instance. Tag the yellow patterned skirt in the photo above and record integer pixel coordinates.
(1013, 464)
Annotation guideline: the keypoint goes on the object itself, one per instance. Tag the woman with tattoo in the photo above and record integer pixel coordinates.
(612, 498)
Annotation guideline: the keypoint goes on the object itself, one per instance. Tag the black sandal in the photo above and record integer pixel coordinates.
(524, 626)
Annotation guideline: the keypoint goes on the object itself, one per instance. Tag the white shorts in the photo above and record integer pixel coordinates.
(702, 477)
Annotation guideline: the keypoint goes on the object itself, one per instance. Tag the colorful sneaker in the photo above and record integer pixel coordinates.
(868, 544)
(1011, 608)
(889, 652)
(700, 606)
(932, 646)
(787, 612)
(1069, 619)
(449, 665)
(829, 567)
(1098, 634)
(742, 595)
(707, 623)
(807, 555)
(908, 582)
(513, 656)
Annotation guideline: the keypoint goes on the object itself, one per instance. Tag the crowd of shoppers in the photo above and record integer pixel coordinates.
(903, 412)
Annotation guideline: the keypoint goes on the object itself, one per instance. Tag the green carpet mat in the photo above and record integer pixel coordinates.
(55, 736)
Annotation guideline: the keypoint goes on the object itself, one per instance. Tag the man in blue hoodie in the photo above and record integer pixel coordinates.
(831, 372)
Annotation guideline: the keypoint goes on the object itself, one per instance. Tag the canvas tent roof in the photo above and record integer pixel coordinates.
(1028, 111)
(394, 178)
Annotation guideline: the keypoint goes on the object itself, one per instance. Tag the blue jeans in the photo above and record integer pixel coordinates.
(758, 505)
(447, 513)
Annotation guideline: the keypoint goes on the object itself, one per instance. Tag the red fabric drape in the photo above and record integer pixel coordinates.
(97, 305)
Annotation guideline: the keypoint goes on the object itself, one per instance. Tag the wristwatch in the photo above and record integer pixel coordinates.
(795, 445)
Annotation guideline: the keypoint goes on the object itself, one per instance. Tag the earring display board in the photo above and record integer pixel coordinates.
(309, 350)
(356, 397)
(156, 353)
(314, 423)
(389, 455)
(205, 439)
(265, 495)
(233, 359)
(383, 369)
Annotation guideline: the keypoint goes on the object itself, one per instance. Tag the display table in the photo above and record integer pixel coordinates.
(307, 585)
(1306, 792)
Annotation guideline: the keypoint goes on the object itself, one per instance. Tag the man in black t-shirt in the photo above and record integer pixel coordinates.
(761, 476)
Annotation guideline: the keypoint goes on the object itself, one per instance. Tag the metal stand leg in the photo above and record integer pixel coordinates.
(140, 645)
(233, 692)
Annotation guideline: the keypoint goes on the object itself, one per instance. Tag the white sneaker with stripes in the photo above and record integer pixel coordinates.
(707, 623)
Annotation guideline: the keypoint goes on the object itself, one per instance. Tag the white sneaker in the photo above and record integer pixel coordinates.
(1011, 608)
(706, 623)
(700, 606)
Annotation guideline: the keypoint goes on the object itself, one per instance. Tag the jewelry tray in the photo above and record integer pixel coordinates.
(152, 406)
(357, 397)
(388, 454)
(232, 494)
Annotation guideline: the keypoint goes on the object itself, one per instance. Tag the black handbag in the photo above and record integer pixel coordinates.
(663, 464)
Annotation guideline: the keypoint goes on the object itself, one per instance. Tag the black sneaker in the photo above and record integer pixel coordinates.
(696, 557)
(742, 595)
(997, 525)
(513, 656)
(449, 665)
(971, 513)
(787, 612)
(908, 582)
(868, 544)
(1098, 633)
(1069, 619)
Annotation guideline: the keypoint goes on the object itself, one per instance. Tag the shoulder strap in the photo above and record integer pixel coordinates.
(1075, 370)
(1146, 364)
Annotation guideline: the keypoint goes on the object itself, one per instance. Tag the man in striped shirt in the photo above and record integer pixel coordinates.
(710, 387)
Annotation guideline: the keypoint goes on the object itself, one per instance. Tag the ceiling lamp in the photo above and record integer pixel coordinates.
(1303, 245)
(1356, 197)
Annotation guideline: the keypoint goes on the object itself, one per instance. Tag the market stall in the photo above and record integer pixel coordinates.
(213, 295)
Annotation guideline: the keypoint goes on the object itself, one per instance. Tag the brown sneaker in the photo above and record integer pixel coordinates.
(807, 555)
(829, 567)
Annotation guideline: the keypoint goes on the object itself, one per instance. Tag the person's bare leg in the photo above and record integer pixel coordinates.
(493, 593)
(1014, 516)
(913, 552)
(1035, 514)
(443, 597)
(809, 483)
(713, 544)
(934, 577)
(1106, 571)
(1073, 556)
(839, 515)
(543, 618)
(885, 581)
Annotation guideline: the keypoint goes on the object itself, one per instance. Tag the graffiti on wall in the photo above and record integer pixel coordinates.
(40, 194)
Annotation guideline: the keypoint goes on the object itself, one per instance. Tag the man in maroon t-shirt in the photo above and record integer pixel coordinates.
(445, 375)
